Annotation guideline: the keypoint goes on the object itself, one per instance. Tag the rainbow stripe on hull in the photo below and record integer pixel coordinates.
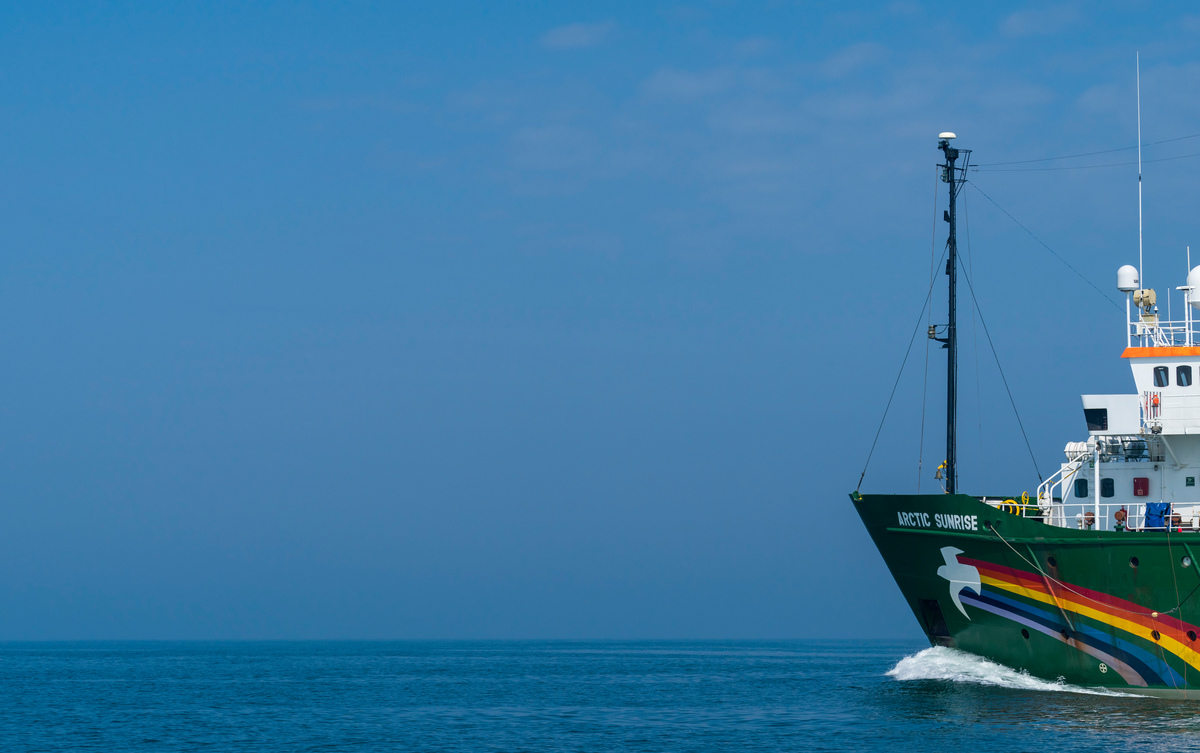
(1109, 609)
(1025, 599)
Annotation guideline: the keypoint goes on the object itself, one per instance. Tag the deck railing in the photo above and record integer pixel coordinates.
(1082, 515)
(1163, 333)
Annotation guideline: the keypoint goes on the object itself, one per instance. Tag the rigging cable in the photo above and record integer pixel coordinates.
(975, 341)
(1003, 378)
(1067, 587)
(896, 384)
(1082, 167)
(925, 384)
(1088, 154)
(1174, 576)
(1043, 243)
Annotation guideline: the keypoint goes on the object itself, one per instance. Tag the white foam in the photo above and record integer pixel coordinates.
(948, 664)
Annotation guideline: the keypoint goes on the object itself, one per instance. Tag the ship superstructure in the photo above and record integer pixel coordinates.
(1142, 448)
(1094, 578)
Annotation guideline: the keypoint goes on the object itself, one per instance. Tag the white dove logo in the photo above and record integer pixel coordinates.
(960, 576)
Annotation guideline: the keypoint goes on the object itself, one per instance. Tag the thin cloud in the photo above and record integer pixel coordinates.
(1044, 21)
(853, 58)
(902, 8)
(754, 46)
(553, 148)
(576, 36)
(671, 83)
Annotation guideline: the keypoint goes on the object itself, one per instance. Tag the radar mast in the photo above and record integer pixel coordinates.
(955, 176)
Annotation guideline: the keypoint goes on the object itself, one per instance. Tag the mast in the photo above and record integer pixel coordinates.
(1138, 63)
(955, 177)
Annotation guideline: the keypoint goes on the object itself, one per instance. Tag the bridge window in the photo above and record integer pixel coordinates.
(1107, 487)
(1162, 377)
(1183, 376)
(1097, 419)
(1081, 487)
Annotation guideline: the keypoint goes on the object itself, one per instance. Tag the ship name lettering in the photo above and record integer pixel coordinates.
(957, 522)
(913, 518)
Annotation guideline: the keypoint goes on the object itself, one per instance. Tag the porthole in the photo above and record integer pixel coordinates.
(1025, 633)
(1191, 634)
(1186, 561)
(1051, 562)
(1154, 634)
(1133, 561)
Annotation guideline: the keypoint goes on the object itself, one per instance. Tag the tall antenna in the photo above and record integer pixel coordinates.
(1138, 62)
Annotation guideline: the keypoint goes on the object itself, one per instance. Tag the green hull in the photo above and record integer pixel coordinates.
(1093, 608)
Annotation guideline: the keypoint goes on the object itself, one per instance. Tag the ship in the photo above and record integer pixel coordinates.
(1094, 579)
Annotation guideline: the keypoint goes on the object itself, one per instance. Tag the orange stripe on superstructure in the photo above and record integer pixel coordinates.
(1160, 352)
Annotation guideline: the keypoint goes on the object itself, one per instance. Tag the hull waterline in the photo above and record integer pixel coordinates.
(1093, 608)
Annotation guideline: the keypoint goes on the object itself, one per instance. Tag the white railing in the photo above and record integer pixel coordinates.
(1082, 515)
(1161, 334)
(1059, 481)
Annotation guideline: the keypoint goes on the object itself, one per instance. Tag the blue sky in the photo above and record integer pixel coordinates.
(476, 320)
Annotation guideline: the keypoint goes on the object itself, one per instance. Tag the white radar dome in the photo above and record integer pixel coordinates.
(946, 135)
(1127, 278)
(1193, 282)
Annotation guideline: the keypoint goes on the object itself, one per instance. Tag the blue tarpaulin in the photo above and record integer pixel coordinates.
(1156, 513)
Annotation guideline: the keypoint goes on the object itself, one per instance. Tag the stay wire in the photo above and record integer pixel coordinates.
(1004, 379)
(1090, 154)
(1066, 587)
(1174, 575)
(975, 340)
(895, 384)
(925, 382)
(1081, 167)
(1043, 244)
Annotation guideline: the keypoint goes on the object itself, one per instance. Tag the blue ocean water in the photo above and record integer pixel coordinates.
(555, 696)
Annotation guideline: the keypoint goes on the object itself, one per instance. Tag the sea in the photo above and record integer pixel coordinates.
(558, 696)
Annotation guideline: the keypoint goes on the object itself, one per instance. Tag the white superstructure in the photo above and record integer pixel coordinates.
(1143, 449)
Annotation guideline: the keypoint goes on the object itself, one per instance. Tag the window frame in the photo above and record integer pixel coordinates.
(1183, 376)
(1108, 488)
(1096, 418)
(1082, 484)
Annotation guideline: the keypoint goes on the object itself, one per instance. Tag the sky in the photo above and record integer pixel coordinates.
(466, 320)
